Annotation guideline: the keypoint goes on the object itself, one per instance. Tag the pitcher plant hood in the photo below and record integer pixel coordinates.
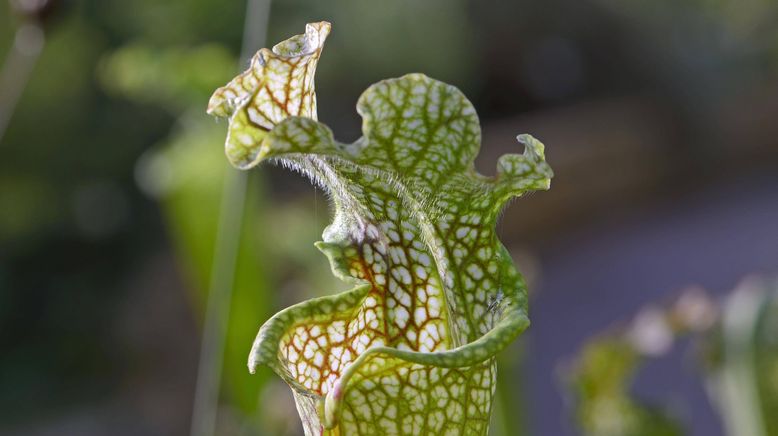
(410, 349)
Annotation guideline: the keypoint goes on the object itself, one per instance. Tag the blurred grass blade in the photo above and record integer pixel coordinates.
(17, 68)
(218, 307)
(212, 349)
(736, 381)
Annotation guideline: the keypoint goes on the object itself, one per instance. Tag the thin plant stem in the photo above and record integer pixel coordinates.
(217, 312)
(218, 305)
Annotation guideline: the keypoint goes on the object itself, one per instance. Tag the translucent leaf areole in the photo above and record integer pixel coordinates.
(410, 349)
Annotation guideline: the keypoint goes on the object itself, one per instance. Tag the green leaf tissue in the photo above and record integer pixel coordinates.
(410, 349)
